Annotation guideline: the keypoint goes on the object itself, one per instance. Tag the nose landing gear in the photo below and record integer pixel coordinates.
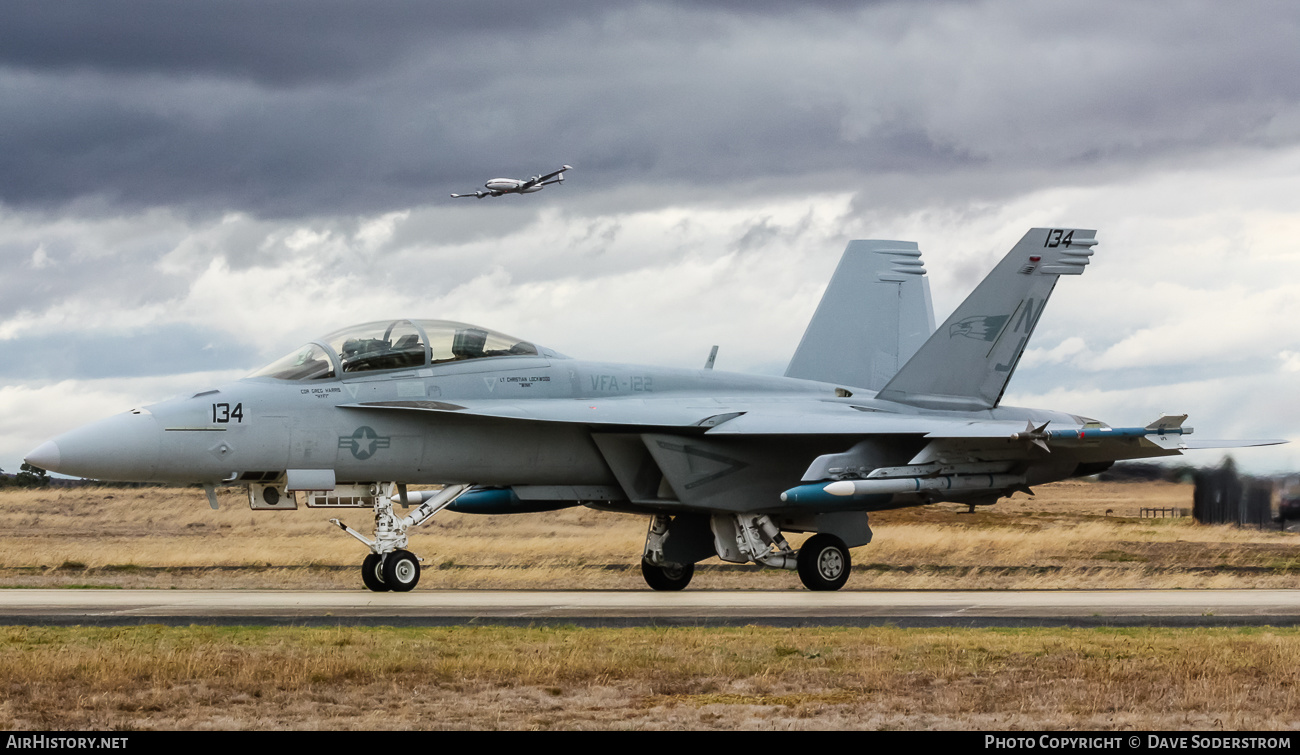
(389, 566)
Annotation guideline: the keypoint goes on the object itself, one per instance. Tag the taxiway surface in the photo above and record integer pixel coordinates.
(645, 608)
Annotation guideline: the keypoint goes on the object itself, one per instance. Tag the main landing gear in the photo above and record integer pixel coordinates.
(823, 563)
(668, 576)
(390, 566)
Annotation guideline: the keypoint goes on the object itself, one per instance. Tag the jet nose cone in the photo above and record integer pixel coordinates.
(46, 456)
(124, 447)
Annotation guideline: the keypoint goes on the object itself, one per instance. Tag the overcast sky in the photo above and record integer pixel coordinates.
(189, 190)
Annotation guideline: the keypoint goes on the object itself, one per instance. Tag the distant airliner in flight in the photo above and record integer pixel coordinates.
(498, 186)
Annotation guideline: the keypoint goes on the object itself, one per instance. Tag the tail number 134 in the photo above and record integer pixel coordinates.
(1058, 236)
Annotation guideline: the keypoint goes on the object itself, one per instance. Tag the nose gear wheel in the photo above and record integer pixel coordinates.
(372, 573)
(401, 571)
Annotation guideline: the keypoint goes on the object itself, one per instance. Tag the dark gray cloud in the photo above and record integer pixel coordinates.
(283, 43)
(296, 108)
(317, 107)
(286, 43)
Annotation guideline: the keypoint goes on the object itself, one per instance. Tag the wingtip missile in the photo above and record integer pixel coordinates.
(1035, 435)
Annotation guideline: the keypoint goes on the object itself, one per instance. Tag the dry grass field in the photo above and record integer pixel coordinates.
(753, 678)
(1078, 534)
(1071, 535)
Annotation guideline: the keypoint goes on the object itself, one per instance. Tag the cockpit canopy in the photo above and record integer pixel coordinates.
(396, 344)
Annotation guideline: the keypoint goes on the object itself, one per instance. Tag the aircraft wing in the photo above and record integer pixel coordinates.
(553, 174)
(717, 417)
(546, 179)
(848, 421)
(721, 418)
(685, 413)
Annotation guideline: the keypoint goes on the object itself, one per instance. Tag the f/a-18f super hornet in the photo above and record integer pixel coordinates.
(877, 410)
(498, 186)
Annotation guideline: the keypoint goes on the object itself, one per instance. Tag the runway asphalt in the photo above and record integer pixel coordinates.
(647, 608)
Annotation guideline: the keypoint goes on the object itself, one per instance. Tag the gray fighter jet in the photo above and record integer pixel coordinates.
(498, 186)
(878, 410)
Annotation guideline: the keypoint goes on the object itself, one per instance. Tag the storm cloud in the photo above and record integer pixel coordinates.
(292, 109)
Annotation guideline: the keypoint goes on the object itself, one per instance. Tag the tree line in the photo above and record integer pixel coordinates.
(28, 476)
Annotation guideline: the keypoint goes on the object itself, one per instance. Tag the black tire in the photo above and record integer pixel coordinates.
(372, 573)
(675, 577)
(824, 563)
(401, 571)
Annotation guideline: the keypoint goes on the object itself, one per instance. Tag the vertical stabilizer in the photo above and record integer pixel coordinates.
(966, 364)
(875, 314)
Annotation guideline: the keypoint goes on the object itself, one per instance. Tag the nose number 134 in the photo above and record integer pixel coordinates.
(222, 414)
